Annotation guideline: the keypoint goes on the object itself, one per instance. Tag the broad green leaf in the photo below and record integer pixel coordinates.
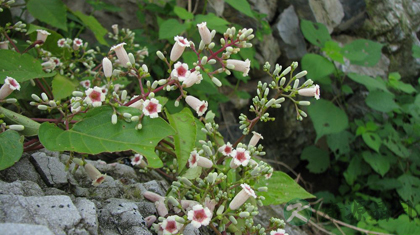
(410, 190)
(315, 33)
(383, 184)
(20, 67)
(394, 82)
(213, 22)
(397, 147)
(185, 133)
(377, 162)
(372, 140)
(281, 189)
(193, 173)
(182, 13)
(363, 52)
(51, 43)
(11, 149)
(327, 118)
(52, 12)
(416, 51)
(170, 28)
(319, 160)
(242, 6)
(62, 87)
(346, 89)
(93, 24)
(410, 211)
(10, 117)
(317, 66)
(339, 143)
(353, 170)
(381, 101)
(96, 134)
(200, 135)
(333, 50)
(101, 5)
(370, 83)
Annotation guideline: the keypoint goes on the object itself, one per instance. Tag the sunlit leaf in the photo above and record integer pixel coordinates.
(182, 13)
(317, 66)
(170, 28)
(52, 12)
(372, 140)
(10, 117)
(62, 87)
(11, 149)
(93, 24)
(242, 6)
(315, 33)
(363, 52)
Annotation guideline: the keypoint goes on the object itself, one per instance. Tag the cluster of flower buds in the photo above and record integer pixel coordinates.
(4, 126)
(5, 4)
(43, 102)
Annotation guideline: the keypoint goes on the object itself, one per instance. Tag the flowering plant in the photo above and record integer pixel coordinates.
(107, 102)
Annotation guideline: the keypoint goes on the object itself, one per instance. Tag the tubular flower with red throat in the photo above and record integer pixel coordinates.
(204, 33)
(94, 174)
(61, 42)
(94, 96)
(170, 225)
(179, 47)
(77, 43)
(42, 35)
(199, 216)
(226, 149)
(240, 157)
(86, 84)
(10, 84)
(138, 160)
(242, 196)
(152, 108)
(180, 71)
(240, 65)
(255, 138)
(313, 91)
(194, 78)
(121, 54)
(199, 106)
(197, 160)
(4, 45)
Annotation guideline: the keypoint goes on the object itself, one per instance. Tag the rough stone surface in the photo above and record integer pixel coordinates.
(23, 170)
(354, 14)
(24, 229)
(87, 210)
(288, 30)
(50, 169)
(23, 188)
(56, 212)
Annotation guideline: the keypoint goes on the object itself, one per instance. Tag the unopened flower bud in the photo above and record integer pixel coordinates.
(145, 68)
(16, 127)
(52, 104)
(204, 60)
(233, 220)
(135, 118)
(114, 119)
(127, 115)
(131, 58)
(304, 103)
(186, 181)
(44, 96)
(294, 64)
(296, 84)
(211, 45)
(35, 97)
(77, 93)
(173, 201)
(282, 81)
(160, 55)
(301, 74)
(286, 71)
(244, 214)
(216, 81)
(220, 210)
(262, 189)
(42, 107)
(212, 61)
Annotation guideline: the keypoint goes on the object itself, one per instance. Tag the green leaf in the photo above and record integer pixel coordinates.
(185, 133)
(242, 6)
(11, 149)
(378, 164)
(372, 140)
(62, 87)
(52, 12)
(10, 117)
(96, 134)
(315, 33)
(327, 118)
(416, 51)
(353, 170)
(100, 6)
(182, 13)
(410, 211)
(370, 83)
(363, 52)
(319, 160)
(93, 24)
(193, 173)
(397, 147)
(20, 67)
(410, 190)
(51, 43)
(333, 50)
(170, 28)
(346, 89)
(381, 101)
(213, 22)
(281, 189)
(317, 66)
(383, 184)
(339, 143)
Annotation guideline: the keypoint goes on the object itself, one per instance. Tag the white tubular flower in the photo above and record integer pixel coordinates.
(4, 45)
(170, 225)
(94, 96)
(121, 54)
(199, 216)
(239, 65)
(279, 232)
(94, 174)
(226, 149)
(180, 71)
(10, 84)
(197, 160)
(204, 32)
(242, 196)
(240, 157)
(85, 83)
(313, 91)
(179, 47)
(115, 28)
(62, 42)
(107, 67)
(194, 78)
(42, 35)
(199, 106)
(138, 160)
(152, 108)
(255, 138)
(138, 104)
(77, 43)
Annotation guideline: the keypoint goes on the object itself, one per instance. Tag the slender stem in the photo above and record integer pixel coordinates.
(32, 45)
(215, 229)
(11, 42)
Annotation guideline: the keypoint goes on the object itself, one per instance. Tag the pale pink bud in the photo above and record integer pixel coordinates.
(150, 220)
(204, 32)
(107, 67)
(242, 196)
(121, 54)
(154, 197)
(161, 207)
(10, 84)
(240, 65)
(179, 47)
(255, 138)
(42, 35)
(199, 106)
(94, 174)
(194, 78)
(197, 160)
(313, 91)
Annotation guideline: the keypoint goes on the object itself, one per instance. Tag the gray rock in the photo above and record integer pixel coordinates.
(287, 29)
(24, 188)
(87, 209)
(268, 7)
(22, 170)
(116, 170)
(191, 230)
(51, 169)
(58, 213)
(24, 229)
(158, 187)
(217, 7)
(354, 14)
